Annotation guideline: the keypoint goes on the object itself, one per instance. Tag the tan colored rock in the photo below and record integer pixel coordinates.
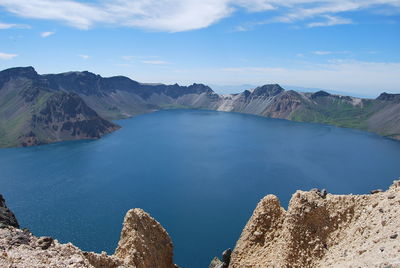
(335, 231)
(144, 242)
(21, 249)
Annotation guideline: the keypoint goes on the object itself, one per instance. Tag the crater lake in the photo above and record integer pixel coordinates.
(199, 173)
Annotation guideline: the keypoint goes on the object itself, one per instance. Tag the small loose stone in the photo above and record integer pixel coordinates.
(393, 236)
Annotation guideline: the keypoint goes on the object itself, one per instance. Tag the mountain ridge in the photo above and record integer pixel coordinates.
(24, 94)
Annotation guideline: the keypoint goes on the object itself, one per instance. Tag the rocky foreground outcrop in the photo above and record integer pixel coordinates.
(143, 243)
(318, 230)
(323, 230)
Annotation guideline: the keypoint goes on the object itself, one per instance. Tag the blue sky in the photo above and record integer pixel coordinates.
(342, 45)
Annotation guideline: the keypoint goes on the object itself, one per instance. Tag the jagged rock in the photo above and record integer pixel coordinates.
(389, 97)
(268, 90)
(377, 191)
(44, 242)
(226, 257)
(323, 193)
(335, 231)
(216, 263)
(144, 242)
(224, 263)
(7, 218)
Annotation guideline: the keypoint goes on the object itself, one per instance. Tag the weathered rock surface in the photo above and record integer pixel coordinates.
(323, 231)
(144, 243)
(224, 262)
(216, 263)
(7, 218)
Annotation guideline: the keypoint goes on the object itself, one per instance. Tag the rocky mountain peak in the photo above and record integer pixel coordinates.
(320, 93)
(200, 88)
(389, 97)
(28, 72)
(268, 90)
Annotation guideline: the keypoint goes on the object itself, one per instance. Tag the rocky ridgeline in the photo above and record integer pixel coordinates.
(318, 230)
(323, 230)
(39, 109)
(144, 243)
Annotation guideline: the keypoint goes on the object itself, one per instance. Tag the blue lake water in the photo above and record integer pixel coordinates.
(199, 173)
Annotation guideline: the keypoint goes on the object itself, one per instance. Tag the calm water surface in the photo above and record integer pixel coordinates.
(199, 173)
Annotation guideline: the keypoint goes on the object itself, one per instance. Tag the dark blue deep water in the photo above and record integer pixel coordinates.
(199, 173)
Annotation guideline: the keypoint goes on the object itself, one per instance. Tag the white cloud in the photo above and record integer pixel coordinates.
(7, 56)
(11, 25)
(315, 10)
(74, 13)
(85, 57)
(183, 15)
(155, 62)
(321, 53)
(255, 5)
(46, 34)
(330, 21)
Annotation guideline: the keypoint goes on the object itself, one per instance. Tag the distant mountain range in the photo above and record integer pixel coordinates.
(38, 109)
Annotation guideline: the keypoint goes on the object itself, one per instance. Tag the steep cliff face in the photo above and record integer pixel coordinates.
(385, 119)
(256, 101)
(323, 230)
(144, 243)
(65, 116)
(31, 113)
(7, 218)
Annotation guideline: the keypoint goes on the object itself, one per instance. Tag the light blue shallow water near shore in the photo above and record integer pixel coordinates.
(199, 173)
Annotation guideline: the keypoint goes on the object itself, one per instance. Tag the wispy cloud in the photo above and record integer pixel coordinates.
(12, 25)
(155, 62)
(327, 52)
(348, 75)
(317, 13)
(83, 56)
(123, 65)
(46, 34)
(330, 21)
(319, 52)
(128, 58)
(7, 56)
(183, 15)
